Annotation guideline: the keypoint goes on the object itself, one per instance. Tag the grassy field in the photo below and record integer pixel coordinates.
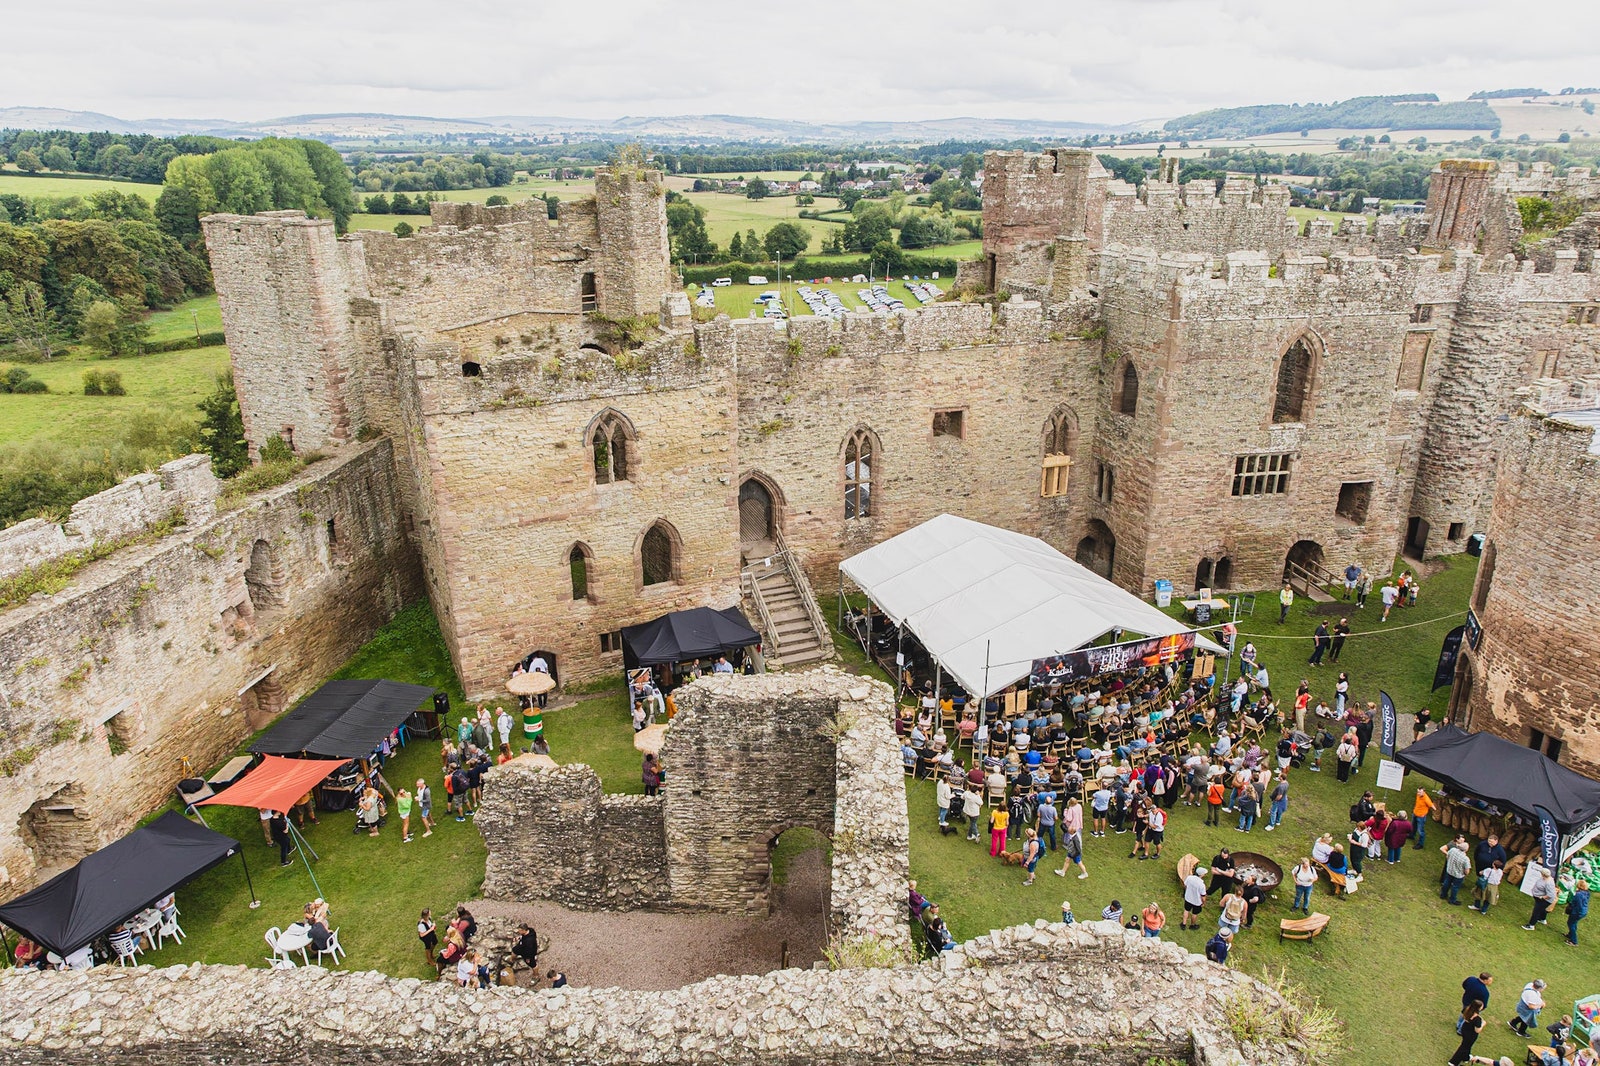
(1394, 941)
(14, 181)
(165, 382)
(1302, 215)
(738, 300)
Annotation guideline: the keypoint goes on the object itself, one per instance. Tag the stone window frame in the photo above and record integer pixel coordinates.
(954, 418)
(611, 642)
(1353, 505)
(674, 577)
(1316, 349)
(1060, 441)
(1105, 480)
(1123, 400)
(581, 551)
(618, 429)
(1262, 474)
(860, 441)
(588, 291)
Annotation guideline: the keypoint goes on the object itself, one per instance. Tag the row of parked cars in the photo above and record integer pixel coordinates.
(878, 299)
(823, 303)
(926, 292)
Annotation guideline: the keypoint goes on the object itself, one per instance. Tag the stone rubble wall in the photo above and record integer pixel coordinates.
(552, 835)
(184, 486)
(180, 648)
(1082, 995)
(871, 831)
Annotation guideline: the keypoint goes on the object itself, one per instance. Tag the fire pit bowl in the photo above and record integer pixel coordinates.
(1268, 873)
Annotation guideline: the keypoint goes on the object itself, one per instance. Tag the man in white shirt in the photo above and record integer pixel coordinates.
(1390, 595)
(1194, 898)
(539, 666)
(503, 724)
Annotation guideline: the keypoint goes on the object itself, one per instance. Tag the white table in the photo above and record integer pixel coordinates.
(295, 938)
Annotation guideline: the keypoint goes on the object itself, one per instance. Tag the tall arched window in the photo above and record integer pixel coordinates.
(1295, 374)
(1060, 441)
(1127, 399)
(859, 461)
(610, 440)
(578, 561)
(658, 555)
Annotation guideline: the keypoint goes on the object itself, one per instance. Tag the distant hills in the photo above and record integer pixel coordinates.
(1420, 111)
(661, 129)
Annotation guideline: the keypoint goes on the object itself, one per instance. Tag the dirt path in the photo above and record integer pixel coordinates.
(644, 950)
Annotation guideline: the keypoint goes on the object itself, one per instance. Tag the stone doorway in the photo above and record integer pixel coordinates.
(1417, 531)
(797, 876)
(1098, 550)
(263, 700)
(760, 516)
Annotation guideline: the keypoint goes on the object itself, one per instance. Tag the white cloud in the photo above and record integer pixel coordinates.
(1111, 61)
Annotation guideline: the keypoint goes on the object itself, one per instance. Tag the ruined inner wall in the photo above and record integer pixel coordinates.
(1537, 666)
(182, 647)
(1194, 217)
(804, 390)
(1092, 994)
(1031, 199)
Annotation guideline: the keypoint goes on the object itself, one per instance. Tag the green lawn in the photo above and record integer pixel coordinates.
(1302, 215)
(377, 887)
(1393, 942)
(200, 314)
(14, 181)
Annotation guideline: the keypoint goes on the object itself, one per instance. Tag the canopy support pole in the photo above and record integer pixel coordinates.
(841, 607)
(302, 847)
(899, 660)
(255, 901)
(983, 700)
(938, 677)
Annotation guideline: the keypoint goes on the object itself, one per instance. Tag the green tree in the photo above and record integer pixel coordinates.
(57, 157)
(786, 240)
(334, 178)
(496, 201)
(969, 166)
(222, 428)
(28, 320)
(28, 162)
(377, 205)
(693, 243)
(848, 198)
(871, 226)
(99, 322)
(178, 213)
(736, 247)
(403, 229)
(755, 189)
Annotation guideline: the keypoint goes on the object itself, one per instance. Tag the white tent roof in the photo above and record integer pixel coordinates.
(971, 591)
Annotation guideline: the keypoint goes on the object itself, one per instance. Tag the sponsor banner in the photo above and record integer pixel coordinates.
(1387, 725)
(1445, 673)
(1092, 662)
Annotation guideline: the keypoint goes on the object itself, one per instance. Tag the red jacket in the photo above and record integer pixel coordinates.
(1398, 833)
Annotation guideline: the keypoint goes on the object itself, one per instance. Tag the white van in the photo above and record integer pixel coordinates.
(721, 282)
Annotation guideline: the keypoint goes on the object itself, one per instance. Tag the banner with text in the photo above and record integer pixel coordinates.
(1092, 662)
(1445, 672)
(1386, 728)
(1549, 839)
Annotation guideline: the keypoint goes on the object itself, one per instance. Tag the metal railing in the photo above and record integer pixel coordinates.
(747, 577)
(803, 587)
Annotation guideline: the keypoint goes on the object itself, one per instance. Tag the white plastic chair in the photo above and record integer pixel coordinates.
(278, 962)
(168, 927)
(272, 942)
(333, 948)
(126, 948)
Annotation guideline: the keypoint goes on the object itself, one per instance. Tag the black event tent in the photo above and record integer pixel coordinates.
(119, 880)
(698, 633)
(343, 719)
(1506, 774)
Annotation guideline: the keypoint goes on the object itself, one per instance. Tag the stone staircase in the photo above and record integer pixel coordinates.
(788, 616)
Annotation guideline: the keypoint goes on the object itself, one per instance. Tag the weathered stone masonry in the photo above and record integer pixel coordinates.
(181, 647)
(1090, 995)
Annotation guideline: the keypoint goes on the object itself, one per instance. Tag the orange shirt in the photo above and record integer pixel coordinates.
(1424, 805)
(1153, 918)
(1214, 793)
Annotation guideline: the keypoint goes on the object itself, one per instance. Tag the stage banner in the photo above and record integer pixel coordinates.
(1474, 629)
(1092, 662)
(1549, 839)
(1387, 726)
(1445, 672)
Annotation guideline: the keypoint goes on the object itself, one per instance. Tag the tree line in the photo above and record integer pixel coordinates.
(135, 156)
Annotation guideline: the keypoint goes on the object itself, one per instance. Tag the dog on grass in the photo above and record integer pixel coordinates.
(1011, 858)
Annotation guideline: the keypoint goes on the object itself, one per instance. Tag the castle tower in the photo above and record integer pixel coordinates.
(1032, 206)
(285, 285)
(636, 267)
(1458, 197)
(1533, 674)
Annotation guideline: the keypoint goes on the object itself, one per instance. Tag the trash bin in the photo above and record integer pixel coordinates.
(1163, 592)
(1475, 544)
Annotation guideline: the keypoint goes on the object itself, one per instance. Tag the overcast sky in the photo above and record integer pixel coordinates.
(1107, 61)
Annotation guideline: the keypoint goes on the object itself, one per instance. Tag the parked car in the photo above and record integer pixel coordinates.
(721, 282)
(757, 279)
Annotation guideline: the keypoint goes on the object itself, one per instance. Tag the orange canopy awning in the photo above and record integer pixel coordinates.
(275, 783)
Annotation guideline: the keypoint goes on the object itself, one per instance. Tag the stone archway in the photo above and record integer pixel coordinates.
(1097, 551)
(756, 513)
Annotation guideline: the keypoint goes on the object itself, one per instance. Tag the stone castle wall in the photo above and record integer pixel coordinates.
(1537, 666)
(184, 487)
(182, 647)
(1090, 995)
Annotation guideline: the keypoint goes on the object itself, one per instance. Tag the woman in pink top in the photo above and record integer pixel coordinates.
(1072, 817)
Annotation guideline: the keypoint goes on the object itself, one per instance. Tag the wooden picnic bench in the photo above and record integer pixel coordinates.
(1302, 928)
(1337, 882)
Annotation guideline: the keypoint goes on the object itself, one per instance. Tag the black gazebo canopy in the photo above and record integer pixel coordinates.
(343, 719)
(1506, 774)
(698, 633)
(121, 879)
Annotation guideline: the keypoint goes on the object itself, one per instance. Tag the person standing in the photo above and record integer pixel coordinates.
(941, 798)
(1577, 910)
(972, 807)
(1031, 850)
(1045, 818)
(424, 801)
(1280, 801)
(1395, 836)
(1341, 630)
(1285, 601)
(1214, 794)
(1352, 575)
(1194, 898)
(502, 725)
(1155, 831)
(1346, 753)
(402, 807)
(1363, 588)
(1488, 889)
(278, 826)
(428, 933)
(1247, 807)
(1529, 1004)
(1252, 895)
(1469, 1026)
(999, 819)
(1420, 810)
(1476, 988)
(650, 774)
(1319, 643)
(1305, 876)
(1153, 919)
(1456, 868)
(1389, 596)
(1360, 841)
(1072, 852)
(538, 665)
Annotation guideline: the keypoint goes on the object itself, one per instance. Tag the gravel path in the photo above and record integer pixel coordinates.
(647, 951)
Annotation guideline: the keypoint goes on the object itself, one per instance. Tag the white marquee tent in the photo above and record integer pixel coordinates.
(986, 602)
